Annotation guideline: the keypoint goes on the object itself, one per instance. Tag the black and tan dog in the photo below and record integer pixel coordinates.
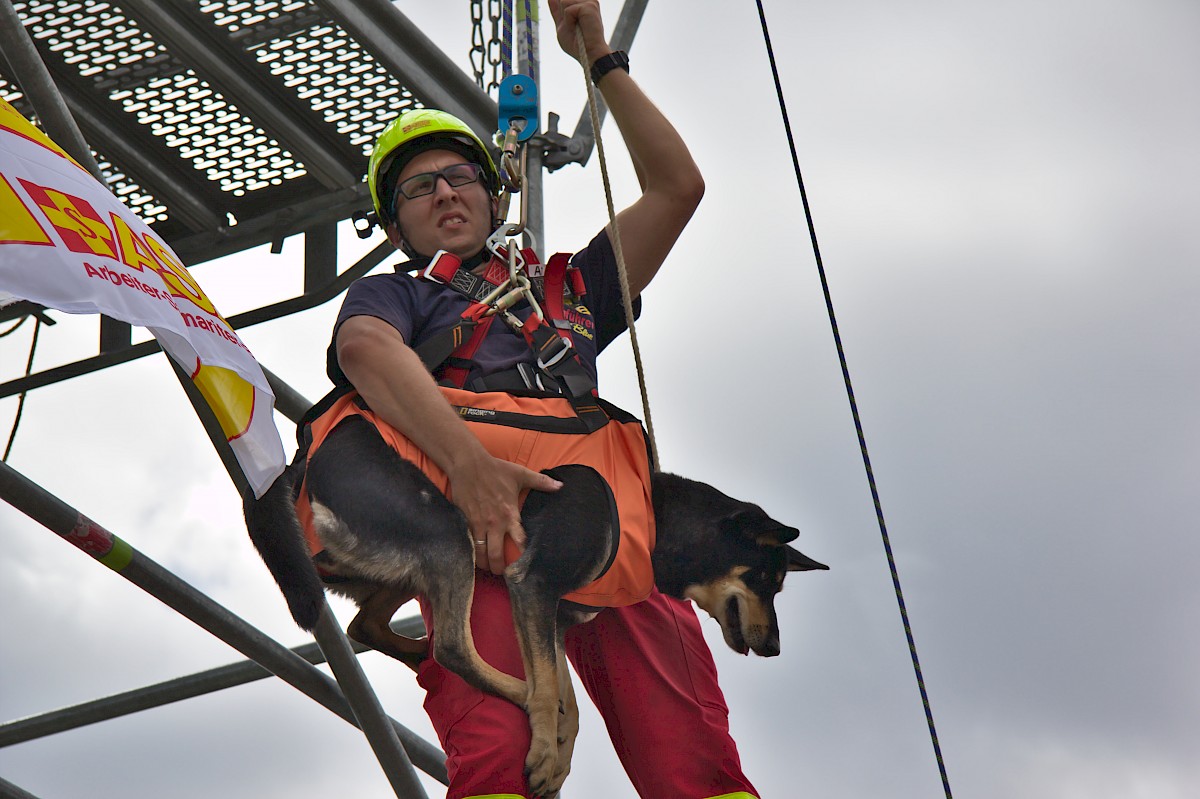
(390, 535)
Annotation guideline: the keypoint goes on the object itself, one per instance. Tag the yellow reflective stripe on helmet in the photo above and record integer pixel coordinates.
(735, 795)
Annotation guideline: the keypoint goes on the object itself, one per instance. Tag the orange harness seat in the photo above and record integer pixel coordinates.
(525, 430)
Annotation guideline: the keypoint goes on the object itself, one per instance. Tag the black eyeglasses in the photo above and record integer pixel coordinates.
(455, 175)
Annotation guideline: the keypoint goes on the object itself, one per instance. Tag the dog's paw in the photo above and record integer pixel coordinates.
(540, 766)
(556, 782)
(562, 765)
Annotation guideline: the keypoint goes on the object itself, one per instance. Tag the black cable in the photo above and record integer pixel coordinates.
(37, 326)
(862, 441)
(13, 329)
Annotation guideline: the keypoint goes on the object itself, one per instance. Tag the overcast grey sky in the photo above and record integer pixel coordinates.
(1005, 196)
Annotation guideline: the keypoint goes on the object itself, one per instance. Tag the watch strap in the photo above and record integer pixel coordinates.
(618, 59)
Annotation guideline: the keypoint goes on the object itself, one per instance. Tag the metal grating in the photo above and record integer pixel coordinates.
(137, 199)
(162, 94)
(226, 123)
(316, 58)
(10, 93)
(125, 187)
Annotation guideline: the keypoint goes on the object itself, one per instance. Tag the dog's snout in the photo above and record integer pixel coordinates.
(769, 647)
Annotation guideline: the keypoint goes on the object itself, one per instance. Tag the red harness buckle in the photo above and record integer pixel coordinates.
(442, 267)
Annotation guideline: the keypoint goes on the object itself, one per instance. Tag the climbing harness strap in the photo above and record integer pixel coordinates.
(546, 332)
(511, 427)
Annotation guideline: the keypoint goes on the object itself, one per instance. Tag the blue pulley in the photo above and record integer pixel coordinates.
(519, 105)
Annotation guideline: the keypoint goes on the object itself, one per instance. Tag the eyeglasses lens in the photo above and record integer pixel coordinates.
(456, 175)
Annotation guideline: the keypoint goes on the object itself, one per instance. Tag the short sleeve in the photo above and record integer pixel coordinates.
(389, 298)
(598, 264)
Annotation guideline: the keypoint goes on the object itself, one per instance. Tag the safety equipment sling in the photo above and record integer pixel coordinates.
(558, 370)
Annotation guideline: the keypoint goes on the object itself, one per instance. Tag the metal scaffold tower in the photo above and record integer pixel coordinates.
(228, 125)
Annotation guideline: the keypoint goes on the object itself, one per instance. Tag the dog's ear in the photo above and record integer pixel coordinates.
(799, 562)
(776, 534)
(751, 522)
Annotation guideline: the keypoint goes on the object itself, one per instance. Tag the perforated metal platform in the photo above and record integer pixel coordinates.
(229, 124)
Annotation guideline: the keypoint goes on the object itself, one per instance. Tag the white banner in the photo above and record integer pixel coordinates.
(68, 243)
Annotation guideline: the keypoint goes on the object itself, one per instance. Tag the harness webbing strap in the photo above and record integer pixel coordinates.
(451, 351)
(553, 280)
(446, 268)
(542, 424)
(458, 360)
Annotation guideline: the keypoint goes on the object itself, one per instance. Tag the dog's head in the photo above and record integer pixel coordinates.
(727, 556)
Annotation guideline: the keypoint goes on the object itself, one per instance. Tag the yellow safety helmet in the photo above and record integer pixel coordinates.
(414, 132)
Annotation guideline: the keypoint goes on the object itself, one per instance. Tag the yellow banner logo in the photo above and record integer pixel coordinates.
(17, 224)
(230, 397)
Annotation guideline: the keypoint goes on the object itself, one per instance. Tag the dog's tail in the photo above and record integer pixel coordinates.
(279, 539)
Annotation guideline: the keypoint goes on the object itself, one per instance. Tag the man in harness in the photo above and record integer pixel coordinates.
(643, 660)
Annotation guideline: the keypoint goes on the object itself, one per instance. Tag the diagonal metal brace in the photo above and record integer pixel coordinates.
(64, 520)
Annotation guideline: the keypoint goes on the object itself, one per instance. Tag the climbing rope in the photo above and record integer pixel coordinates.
(862, 441)
(616, 242)
(530, 22)
(506, 37)
(37, 326)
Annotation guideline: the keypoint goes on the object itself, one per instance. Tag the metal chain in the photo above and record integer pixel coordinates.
(477, 53)
(498, 50)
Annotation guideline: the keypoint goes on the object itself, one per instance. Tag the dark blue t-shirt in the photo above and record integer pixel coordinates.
(420, 309)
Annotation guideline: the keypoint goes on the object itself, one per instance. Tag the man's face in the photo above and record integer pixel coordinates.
(457, 220)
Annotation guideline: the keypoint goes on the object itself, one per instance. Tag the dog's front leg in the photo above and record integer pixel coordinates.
(534, 618)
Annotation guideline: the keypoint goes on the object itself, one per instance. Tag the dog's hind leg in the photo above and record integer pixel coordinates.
(571, 535)
(534, 610)
(454, 646)
(568, 722)
(372, 626)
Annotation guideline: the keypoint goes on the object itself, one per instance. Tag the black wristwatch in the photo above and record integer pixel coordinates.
(618, 59)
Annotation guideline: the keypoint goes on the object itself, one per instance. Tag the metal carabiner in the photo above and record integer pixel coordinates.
(521, 278)
(498, 241)
(511, 172)
(514, 161)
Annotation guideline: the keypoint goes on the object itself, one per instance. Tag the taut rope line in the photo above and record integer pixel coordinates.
(862, 441)
(616, 242)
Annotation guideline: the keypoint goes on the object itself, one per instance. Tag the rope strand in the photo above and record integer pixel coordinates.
(529, 23)
(622, 273)
(37, 326)
(862, 441)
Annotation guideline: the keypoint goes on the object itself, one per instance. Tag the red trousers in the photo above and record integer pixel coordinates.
(649, 672)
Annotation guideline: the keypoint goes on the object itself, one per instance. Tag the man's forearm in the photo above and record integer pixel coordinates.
(660, 156)
(394, 382)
